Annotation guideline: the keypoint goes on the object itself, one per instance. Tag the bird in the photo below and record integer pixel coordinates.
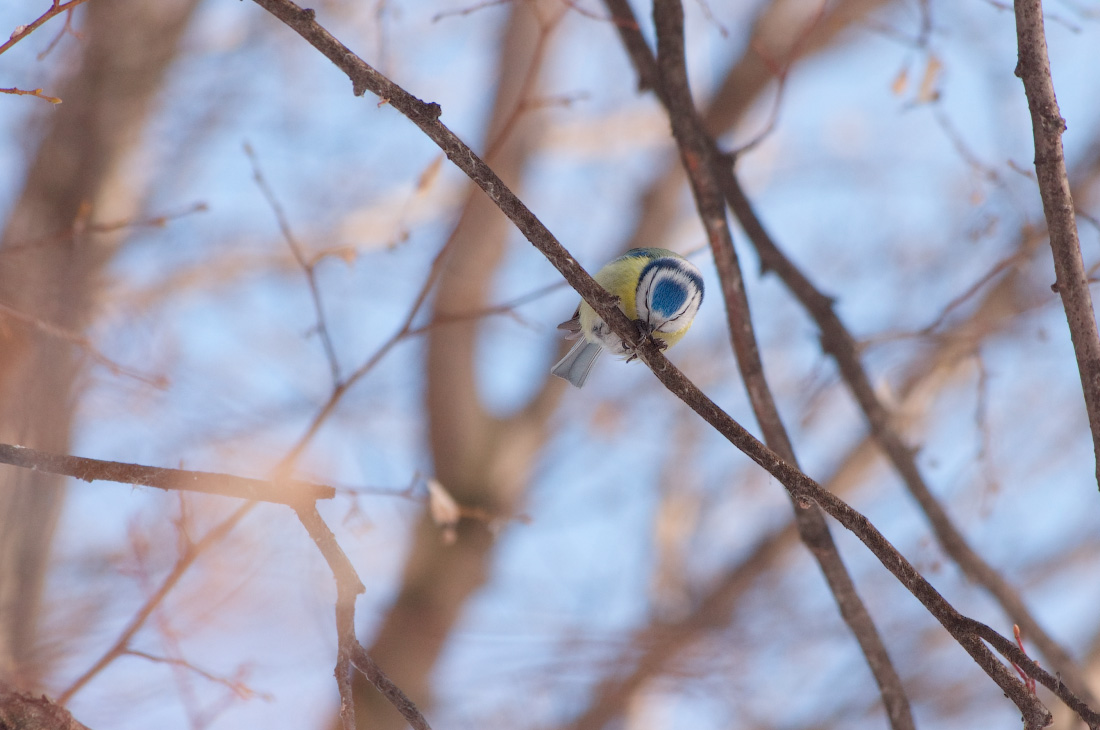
(657, 288)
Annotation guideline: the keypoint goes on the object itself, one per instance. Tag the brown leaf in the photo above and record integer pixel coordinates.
(444, 510)
(431, 172)
(901, 81)
(929, 83)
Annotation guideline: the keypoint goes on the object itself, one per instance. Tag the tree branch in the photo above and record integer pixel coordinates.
(288, 492)
(186, 559)
(25, 30)
(426, 116)
(350, 652)
(1072, 283)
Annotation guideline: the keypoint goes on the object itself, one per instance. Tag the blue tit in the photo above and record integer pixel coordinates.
(658, 288)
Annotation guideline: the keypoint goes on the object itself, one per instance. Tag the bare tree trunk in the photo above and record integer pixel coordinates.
(50, 261)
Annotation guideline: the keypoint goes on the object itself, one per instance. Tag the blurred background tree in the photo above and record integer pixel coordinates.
(619, 564)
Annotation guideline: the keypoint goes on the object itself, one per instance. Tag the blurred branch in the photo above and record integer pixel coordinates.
(1050, 168)
(54, 262)
(66, 29)
(504, 308)
(663, 641)
(191, 552)
(83, 343)
(236, 686)
(84, 227)
(23, 31)
(227, 485)
(309, 268)
(817, 303)
(341, 388)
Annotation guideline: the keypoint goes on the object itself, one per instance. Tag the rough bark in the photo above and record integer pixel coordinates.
(27, 712)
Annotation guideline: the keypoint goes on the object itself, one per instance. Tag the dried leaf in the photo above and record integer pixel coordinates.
(901, 81)
(431, 172)
(347, 254)
(929, 83)
(445, 511)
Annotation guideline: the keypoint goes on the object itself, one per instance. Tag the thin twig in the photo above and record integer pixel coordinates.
(234, 685)
(48, 328)
(338, 392)
(33, 92)
(186, 560)
(308, 267)
(25, 30)
(363, 662)
(348, 586)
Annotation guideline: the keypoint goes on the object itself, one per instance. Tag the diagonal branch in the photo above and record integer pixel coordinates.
(25, 30)
(186, 559)
(1050, 167)
(426, 116)
(308, 267)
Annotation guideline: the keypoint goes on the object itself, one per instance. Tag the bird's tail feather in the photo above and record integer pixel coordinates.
(577, 363)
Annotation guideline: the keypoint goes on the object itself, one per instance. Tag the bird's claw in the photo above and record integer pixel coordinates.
(644, 333)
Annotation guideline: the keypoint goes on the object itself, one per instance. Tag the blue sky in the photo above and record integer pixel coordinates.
(862, 186)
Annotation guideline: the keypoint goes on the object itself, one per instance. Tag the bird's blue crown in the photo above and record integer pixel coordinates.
(672, 283)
